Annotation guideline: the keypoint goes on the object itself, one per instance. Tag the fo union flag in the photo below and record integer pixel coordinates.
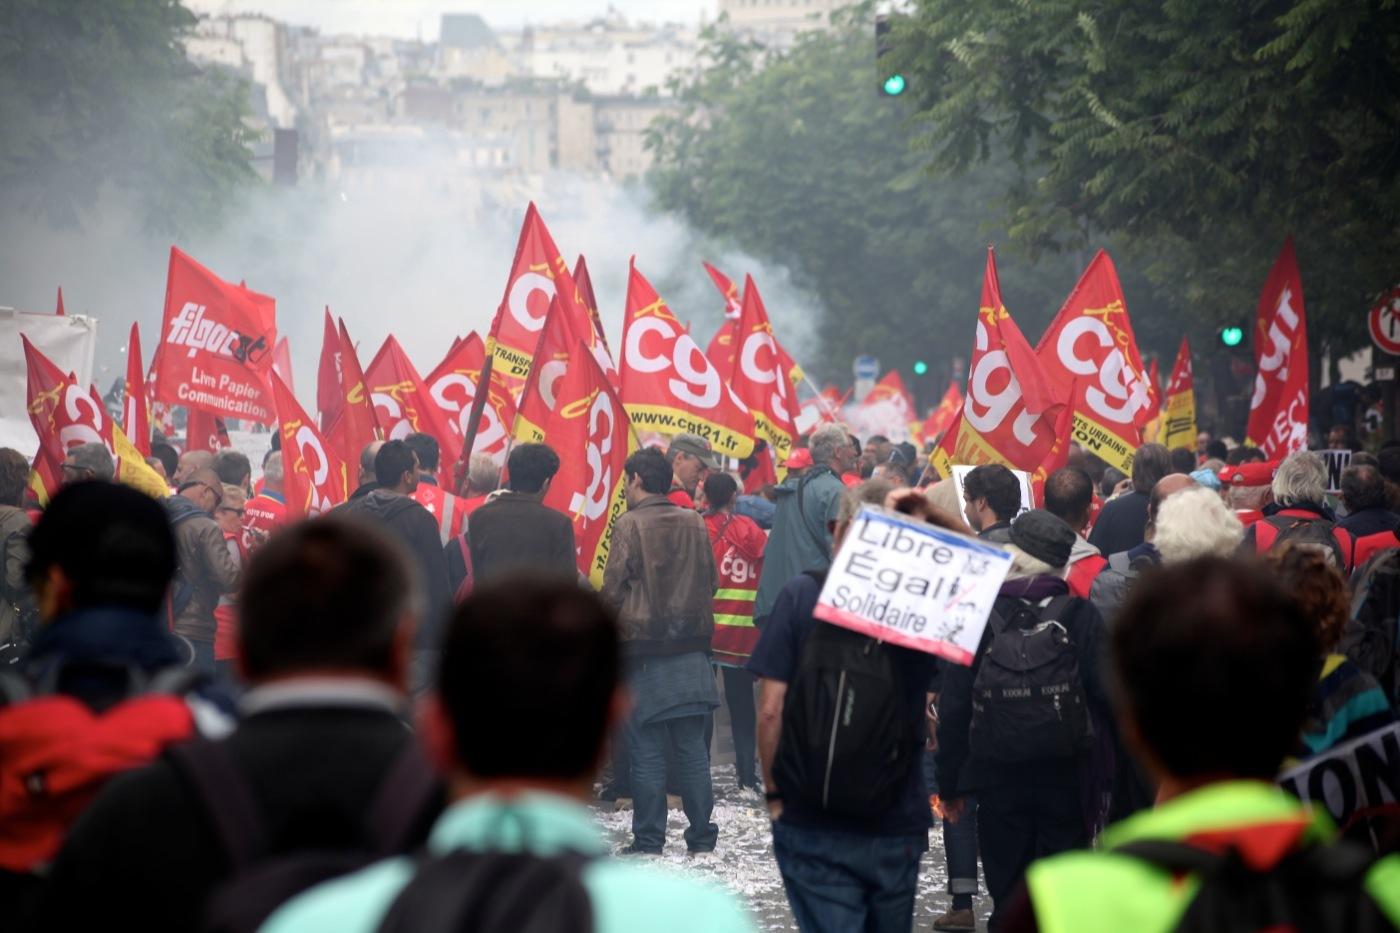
(758, 377)
(217, 341)
(315, 478)
(1278, 411)
(1090, 345)
(593, 436)
(668, 385)
(453, 387)
(403, 405)
(1011, 414)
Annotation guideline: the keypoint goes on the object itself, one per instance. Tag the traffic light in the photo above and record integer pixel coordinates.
(920, 367)
(892, 83)
(1231, 336)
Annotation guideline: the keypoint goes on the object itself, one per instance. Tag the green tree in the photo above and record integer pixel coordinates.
(1195, 134)
(99, 93)
(795, 158)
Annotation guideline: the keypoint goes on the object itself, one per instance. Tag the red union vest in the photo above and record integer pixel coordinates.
(738, 547)
(447, 510)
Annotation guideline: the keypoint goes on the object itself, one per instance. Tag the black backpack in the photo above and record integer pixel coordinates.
(259, 883)
(1318, 889)
(846, 744)
(1028, 700)
(494, 892)
(1372, 636)
(1315, 532)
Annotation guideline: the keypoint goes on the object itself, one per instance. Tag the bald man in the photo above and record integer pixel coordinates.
(192, 461)
(367, 481)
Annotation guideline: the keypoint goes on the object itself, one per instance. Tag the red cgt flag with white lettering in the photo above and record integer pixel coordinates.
(453, 385)
(315, 479)
(217, 342)
(668, 386)
(1278, 411)
(136, 410)
(330, 397)
(403, 405)
(759, 379)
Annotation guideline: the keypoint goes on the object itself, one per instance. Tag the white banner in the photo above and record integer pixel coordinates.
(1336, 461)
(913, 584)
(68, 340)
(1355, 777)
(960, 472)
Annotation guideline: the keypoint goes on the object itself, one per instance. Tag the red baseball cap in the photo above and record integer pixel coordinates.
(1249, 474)
(799, 459)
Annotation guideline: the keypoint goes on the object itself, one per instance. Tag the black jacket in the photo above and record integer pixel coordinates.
(515, 531)
(1121, 524)
(414, 525)
(144, 855)
(959, 771)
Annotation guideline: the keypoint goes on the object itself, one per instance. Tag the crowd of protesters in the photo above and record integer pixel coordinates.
(397, 715)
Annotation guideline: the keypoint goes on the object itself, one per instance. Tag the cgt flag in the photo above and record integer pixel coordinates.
(403, 405)
(590, 429)
(217, 342)
(453, 387)
(356, 425)
(205, 431)
(136, 410)
(668, 386)
(1011, 414)
(584, 283)
(941, 418)
(757, 377)
(558, 336)
(330, 396)
(1278, 412)
(314, 477)
(1090, 345)
(723, 346)
(1179, 429)
(66, 415)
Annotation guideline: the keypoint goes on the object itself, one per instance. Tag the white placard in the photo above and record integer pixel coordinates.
(1027, 497)
(1352, 779)
(913, 584)
(1337, 461)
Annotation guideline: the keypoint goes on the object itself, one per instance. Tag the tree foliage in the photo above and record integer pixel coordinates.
(98, 93)
(1196, 134)
(795, 158)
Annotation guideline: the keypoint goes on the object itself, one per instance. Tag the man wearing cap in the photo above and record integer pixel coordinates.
(1248, 488)
(1030, 808)
(691, 458)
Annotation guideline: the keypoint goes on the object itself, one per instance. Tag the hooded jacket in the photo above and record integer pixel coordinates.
(801, 539)
(660, 579)
(416, 528)
(206, 569)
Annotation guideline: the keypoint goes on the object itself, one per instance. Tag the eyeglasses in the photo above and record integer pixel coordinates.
(218, 493)
(229, 508)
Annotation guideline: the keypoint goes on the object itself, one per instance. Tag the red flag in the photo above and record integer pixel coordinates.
(357, 424)
(733, 305)
(1010, 415)
(1154, 390)
(136, 411)
(402, 405)
(315, 480)
(205, 430)
(757, 376)
(1278, 412)
(590, 430)
(453, 386)
(330, 394)
(58, 310)
(941, 418)
(584, 282)
(1090, 343)
(282, 362)
(557, 338)
(720, 351)
(537, 275)
(722, 345)
(668, 386)
(216, 345)
(1180, 427)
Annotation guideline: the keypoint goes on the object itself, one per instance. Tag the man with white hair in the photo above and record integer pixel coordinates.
(806, 506)
(1298, 513)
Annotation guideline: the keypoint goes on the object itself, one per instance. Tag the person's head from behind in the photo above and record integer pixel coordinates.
(483, 476)
(202, 487)
(233, 468)
(1183, 460)
(1069, 496)
(100, 545)
(367, 455)
(1150, 464)
(1041, 544)
(1213, 665)
(169, 458)
(1301, 479)
(1363, 487)
(14, 476)
(1217, 450)
(991, 495)
(396, 468)
(646, 473)
(1108, 482)
(720, 490)
(532, 468)
(1317, 588)
(429, 453)
(543, 656)
(88, 461)
(273, 475)
(1339, 438)
(192, 461)
(331, 596)
(1389, 462)
(1194, 522)
(1167, 486)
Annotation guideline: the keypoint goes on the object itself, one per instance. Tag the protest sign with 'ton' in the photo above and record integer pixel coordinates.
(912, 584)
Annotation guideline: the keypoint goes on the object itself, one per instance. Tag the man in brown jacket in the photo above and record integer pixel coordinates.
(206, 569)
(661, 578)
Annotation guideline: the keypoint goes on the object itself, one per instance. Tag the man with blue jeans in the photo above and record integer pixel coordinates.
(661, 579)
(841, 872)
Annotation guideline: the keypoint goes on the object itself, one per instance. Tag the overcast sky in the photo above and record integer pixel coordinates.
(413, 18)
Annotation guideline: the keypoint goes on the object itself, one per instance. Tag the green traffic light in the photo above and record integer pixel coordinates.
(920, 368)
(894, 85)
(1232, 336)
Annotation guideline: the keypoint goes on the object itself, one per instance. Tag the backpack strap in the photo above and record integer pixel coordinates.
(820, 541)
(227, 799)
(1266, 532)
(1051, 609)
(402, 798)
(493, 891)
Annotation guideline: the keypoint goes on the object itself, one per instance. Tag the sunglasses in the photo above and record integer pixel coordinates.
(218, 493)
(229, 508)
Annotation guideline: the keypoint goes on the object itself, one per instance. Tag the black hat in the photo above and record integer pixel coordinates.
(1043, 536)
